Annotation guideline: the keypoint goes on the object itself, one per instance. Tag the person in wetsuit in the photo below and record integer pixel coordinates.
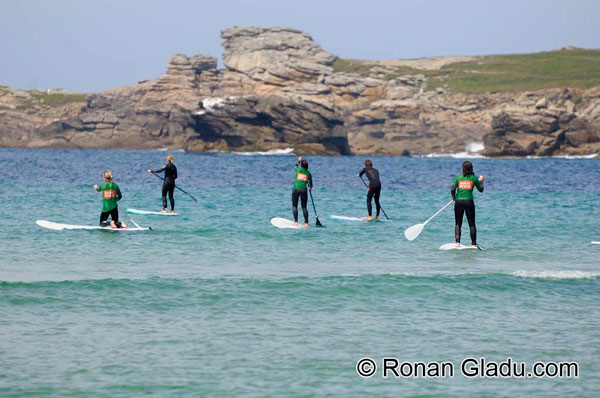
(302, 182)
(169, 183)
(374, 188)
(462, 195)
(110, 195)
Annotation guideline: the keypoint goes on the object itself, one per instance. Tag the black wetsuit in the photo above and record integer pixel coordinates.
(169, 183)
(461, 207)
(303, 196)
(374, 188)
(114, 214)
(301, 185)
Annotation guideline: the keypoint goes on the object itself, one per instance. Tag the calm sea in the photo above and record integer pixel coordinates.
(217, 302)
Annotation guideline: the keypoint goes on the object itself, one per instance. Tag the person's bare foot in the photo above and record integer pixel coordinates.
(113, 225)
(305, 225)
(368, 218)
(163, 211)
(377, 218)
(295, 224)
(172, 211)
(457, 244)
(123, 225)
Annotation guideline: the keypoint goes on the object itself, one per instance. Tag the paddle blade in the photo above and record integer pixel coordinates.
(318, 223)
(414, 231)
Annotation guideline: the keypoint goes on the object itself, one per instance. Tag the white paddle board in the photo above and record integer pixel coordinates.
(452, 246)
(596, 242)
(59, 227)
(149, 212)
(285, 223)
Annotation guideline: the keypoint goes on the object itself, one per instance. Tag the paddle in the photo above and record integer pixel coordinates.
(177, 188)
(414, 231)
(318, 223)
(132, 220)
(379, 205)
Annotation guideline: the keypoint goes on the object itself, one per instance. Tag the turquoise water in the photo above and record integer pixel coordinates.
(217, 302)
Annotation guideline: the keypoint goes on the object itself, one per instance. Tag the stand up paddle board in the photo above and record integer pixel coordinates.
(149, 212)
(285, 223)
(344, 218)
(596, 242)
(59, 227)
(452, 246)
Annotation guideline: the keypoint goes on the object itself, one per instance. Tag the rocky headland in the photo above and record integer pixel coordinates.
(280, 89)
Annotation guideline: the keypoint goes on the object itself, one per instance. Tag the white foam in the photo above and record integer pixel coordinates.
(459, 155)
(279, 151)
(593, 156)
(557, 274)
(474, 147)
(471, 151)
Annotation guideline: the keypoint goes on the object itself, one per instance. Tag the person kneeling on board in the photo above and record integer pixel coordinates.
(374, 188)
(168, 184)
(462, 195)
(110, 195)
(302, 182)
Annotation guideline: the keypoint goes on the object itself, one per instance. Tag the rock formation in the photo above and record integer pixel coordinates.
(280, 89)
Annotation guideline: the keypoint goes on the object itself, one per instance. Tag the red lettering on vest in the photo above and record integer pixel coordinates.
(468, 185)
(301, 177)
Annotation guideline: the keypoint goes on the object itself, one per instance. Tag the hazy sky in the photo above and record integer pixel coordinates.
(93, 45)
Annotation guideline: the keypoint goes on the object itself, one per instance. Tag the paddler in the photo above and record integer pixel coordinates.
(168, 184)
(302, 182)
(110, 195)
(373, 189)
(462, 195)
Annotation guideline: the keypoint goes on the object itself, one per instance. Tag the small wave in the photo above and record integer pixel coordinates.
(592, 156)
(169, 150)
(471, 151)
(279, 151)
(556, 274)
(459, 155)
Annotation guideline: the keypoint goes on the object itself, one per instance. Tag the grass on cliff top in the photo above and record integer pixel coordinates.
(578, 68)
(52, 100)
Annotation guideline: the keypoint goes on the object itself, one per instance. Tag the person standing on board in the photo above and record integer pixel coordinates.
(110, 195)
(374, 188)
(462, 195)
(302, 182)
(168, 184)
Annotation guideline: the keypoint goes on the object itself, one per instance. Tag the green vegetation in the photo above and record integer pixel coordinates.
(58, 99)
(522, 72)
(51, 100)
(363, 68)
(576, 68)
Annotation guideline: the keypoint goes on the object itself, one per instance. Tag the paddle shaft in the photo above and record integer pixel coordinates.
(318, 223)
(386, 216)
(438, 212)
(162, 178)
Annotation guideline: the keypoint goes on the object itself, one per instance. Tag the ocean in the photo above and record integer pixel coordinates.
(217, 302)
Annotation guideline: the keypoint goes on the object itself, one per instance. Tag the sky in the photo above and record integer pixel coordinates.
(95, 45)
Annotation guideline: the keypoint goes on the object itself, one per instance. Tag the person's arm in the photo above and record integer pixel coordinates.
(479, 183)
(157, 171)
(453, 189)
(175, 177)
(298, 161)
(119, 196)
(310, 183)
(362, 172)
(96, 187)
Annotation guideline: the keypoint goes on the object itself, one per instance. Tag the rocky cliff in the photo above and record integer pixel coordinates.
(281, 89)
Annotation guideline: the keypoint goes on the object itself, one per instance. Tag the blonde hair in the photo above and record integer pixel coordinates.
(108, 176)
(170, 158)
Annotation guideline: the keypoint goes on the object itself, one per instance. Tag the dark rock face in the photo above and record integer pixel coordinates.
(279, 90)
